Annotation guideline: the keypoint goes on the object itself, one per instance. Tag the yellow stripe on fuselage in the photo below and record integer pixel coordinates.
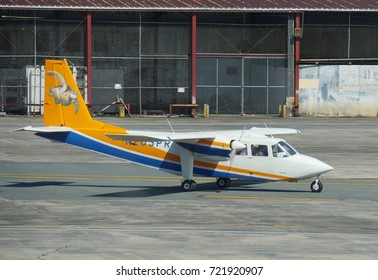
(154, 152)
(243, 171)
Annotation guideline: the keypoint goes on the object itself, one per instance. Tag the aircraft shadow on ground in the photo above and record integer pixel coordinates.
(140, 191)
(36, 184)
(150, 191)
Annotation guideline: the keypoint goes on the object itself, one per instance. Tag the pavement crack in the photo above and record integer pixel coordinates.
(56, 251)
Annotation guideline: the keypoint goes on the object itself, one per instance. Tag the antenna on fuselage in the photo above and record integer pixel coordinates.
(271, 136)
(170, 126)
(242, 133)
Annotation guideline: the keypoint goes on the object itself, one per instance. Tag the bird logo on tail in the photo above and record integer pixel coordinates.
(62, 93)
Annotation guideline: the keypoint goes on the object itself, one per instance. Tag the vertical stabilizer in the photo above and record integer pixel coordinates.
(64, 104)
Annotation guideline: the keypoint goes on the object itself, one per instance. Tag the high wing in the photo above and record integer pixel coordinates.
(210, 145)
(162, 136)
(194, 136)
(274, 131)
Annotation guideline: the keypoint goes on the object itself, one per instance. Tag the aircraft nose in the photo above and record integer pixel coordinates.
(303, 167)
(318, 166)
(324, 168)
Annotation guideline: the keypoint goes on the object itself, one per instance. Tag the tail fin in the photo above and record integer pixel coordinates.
(64, 105)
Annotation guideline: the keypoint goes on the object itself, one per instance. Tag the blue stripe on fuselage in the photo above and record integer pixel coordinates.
(82, 141)
(79, 140)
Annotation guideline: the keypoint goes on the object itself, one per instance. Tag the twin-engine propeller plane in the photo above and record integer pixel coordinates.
(252, 155)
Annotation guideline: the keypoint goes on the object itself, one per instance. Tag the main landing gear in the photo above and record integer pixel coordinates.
(223, 182)
(188, 185)
(191, 185)
(316, 186)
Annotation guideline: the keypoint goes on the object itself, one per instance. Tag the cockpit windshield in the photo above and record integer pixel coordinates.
(283, 149)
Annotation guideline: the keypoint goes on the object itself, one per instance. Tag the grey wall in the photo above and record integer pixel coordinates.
(339, 90)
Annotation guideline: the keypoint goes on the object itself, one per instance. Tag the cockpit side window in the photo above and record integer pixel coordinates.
(283, 149)
(278, 151)
(259, 150)
(242, 152)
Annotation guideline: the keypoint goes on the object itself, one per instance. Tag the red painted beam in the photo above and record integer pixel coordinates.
(297, 60)
(89, 59)
(194, 63)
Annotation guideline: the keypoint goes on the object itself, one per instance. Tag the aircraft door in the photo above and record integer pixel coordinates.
(260, 158)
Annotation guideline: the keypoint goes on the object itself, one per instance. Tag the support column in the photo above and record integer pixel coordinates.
(290, 58)
(194, 63)
(297, 60)
(89, 60)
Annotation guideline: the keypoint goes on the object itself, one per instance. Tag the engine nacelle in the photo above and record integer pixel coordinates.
(216, 150)
(237, 145)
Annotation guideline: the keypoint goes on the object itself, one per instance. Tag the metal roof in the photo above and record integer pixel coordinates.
(195, 5)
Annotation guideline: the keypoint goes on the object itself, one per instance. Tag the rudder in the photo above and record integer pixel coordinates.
(64, 104)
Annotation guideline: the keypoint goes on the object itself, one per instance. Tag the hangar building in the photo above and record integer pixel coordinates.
(238, 56)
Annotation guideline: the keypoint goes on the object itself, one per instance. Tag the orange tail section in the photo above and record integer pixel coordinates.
(64, 104)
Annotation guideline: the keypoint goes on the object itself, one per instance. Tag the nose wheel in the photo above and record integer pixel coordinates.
(316, 186)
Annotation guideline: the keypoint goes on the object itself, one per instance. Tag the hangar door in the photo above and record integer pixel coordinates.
(242, 85)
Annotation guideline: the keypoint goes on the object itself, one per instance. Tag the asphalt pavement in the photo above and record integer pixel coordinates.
(61, 202)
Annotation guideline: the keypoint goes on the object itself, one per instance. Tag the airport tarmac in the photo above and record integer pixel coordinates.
(61, 202)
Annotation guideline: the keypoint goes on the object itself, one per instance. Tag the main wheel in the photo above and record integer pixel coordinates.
(316, 186)
(188, 185)
(223, 182)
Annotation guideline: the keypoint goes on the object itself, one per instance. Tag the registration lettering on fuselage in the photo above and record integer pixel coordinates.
(157, 144)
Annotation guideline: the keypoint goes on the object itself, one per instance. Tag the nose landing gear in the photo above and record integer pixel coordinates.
(316, 186)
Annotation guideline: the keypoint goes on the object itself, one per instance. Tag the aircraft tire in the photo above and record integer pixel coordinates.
(194, 185)
(188, 185)
(223, 183)
(316, 186)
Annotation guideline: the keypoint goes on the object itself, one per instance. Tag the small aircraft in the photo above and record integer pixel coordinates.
(253, 155)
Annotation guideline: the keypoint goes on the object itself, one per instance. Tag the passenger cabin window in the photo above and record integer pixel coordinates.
(283, 149)
(259, 150)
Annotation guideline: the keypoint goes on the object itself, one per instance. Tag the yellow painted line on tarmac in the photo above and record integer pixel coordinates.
(269, 198)
(337, 182)
(83, 177)
(365, 182)
(94, 177)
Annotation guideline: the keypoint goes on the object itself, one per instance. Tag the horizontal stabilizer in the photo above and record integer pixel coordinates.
(45, 129)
